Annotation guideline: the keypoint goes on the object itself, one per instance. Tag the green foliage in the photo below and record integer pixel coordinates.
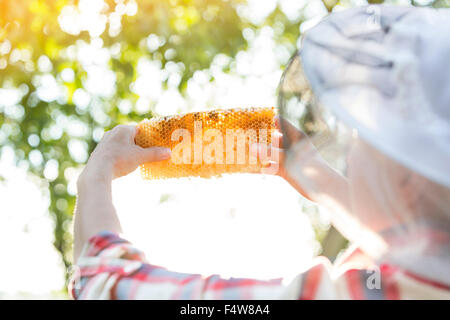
(188, 33)
(194, 31)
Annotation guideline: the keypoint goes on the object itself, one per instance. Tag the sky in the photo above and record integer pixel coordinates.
(30, 266)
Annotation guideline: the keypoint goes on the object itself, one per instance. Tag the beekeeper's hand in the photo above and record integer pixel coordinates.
(117, 155)
(272, 156)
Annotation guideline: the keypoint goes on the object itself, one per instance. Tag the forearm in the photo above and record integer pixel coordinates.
(326, 181)
(317, 179)
(94, 210)
(115, 156)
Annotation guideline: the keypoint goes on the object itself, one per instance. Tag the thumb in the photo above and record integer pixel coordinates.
(153, 154)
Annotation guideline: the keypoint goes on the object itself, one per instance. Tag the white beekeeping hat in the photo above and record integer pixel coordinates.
(385, 71)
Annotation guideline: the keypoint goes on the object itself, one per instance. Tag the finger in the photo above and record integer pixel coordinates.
(153, 154)
(261, 152)
(267, 154)
(130, 132)
(124, 132)
(134, 126)
(124, 128)
(105, 135)
(276, 155)
(137, 131)
(276, 163)
(272, 169)
(277, 122)
(277, 139)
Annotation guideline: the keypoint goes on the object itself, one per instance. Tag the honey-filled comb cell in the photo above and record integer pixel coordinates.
(206, 144)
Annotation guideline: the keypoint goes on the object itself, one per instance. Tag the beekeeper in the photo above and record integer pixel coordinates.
(364, 110)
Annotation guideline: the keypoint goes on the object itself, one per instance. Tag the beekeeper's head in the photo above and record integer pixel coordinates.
(371, 88)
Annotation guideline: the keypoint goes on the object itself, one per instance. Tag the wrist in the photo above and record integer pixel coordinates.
(95, 173)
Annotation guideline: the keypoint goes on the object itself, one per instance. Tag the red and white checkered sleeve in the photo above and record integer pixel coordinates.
(111, 268)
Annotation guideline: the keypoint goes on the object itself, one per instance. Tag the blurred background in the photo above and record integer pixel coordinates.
(70, 70)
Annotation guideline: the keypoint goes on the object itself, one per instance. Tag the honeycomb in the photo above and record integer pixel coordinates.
(206, 144)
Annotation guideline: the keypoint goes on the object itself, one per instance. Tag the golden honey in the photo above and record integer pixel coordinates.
(206, 144)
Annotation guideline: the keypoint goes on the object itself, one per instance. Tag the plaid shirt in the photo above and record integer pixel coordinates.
(111, 268)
